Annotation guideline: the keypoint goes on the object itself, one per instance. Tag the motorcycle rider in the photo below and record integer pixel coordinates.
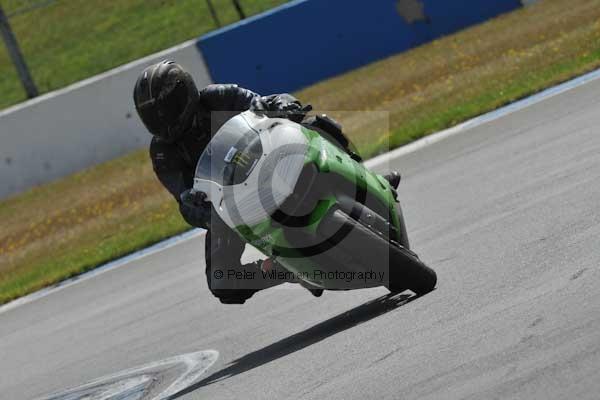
(179, 118)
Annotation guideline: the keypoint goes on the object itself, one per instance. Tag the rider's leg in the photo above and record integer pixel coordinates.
(216, 259)
(228, 279)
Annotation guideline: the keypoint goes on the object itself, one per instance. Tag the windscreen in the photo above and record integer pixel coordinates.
(231, 154)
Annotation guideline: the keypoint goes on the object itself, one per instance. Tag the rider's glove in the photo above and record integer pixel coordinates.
(193, 198)
(292, 111)
(297, 115)
(195, 209)
(281, 106)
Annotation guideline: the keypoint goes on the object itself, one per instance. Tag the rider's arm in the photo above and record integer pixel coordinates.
(219, 103)
(226, 98)
(234, 98)
(170, 169)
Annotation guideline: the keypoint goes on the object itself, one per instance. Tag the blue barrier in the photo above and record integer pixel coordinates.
(306, 41)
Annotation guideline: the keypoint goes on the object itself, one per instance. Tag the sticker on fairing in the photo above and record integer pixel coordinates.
(230, 155)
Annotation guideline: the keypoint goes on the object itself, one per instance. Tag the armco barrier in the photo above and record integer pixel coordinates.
(306, 41)
(87, 123)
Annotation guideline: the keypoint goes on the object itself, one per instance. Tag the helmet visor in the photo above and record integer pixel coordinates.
(149, 114)
(172, 102)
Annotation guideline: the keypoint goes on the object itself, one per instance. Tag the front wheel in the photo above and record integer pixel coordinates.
(368, 247)
(414, 274)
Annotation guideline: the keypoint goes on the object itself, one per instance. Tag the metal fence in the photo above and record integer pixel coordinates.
(51, 43)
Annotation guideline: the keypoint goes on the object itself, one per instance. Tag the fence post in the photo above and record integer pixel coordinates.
(16, 56)
(213, 12)
(239, 9)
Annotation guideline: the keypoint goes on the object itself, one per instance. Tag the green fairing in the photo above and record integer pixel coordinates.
(328, 159)
(339, 162)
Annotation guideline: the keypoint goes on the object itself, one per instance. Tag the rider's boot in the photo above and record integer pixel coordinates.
(393, 178)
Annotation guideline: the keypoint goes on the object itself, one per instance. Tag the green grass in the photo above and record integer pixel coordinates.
(70, 40)
(67, 227)
(72, 225)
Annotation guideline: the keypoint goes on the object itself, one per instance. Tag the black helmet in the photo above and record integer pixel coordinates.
(165, 97)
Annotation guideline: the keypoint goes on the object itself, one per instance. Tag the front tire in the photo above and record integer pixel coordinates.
(414, 275)
(405, 269)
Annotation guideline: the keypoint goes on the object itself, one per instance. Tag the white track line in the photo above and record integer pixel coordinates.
(380, 160)
(123, 382)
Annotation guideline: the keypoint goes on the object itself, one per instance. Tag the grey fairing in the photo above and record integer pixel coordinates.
(271, 181)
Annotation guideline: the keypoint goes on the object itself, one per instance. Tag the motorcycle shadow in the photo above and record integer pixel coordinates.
(298, 341)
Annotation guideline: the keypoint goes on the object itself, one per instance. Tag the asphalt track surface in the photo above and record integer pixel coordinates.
(508, 215)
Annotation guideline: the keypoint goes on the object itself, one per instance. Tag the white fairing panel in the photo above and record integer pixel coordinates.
(270, 182)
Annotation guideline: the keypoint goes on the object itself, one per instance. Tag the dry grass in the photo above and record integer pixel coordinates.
(67, 227)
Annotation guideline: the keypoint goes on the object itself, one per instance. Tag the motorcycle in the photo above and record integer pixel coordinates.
(300, 196)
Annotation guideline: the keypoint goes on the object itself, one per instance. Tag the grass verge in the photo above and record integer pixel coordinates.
(460, 76)
(67, 227)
